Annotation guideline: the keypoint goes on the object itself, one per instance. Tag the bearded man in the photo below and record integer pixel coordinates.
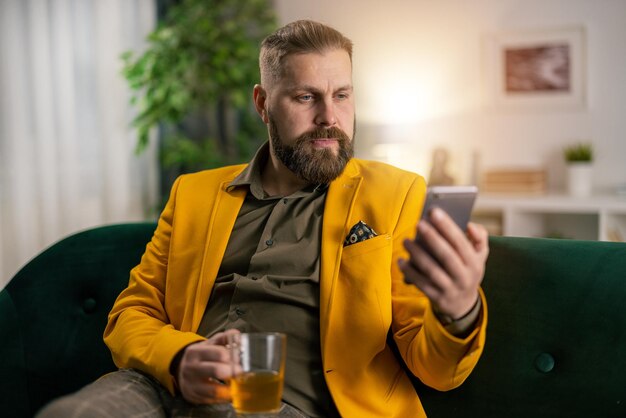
(303, 240)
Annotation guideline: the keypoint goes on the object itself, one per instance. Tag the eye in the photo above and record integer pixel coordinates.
(342, 96)
(305, 97)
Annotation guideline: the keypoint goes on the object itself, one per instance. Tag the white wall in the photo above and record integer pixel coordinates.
(419, 67)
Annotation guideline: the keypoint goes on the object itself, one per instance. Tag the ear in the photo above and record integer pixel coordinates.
(259, 96)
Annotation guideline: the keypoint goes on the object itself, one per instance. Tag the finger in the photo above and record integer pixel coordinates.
(441, 250)
(211, 370)
(413, 276)
(217, 391)
(451, 232)
(422, 268)
(222, 338)
(419, 257)
(205, 353)
(202, 384)
(479, 237)
(209, 392)
(221, 393)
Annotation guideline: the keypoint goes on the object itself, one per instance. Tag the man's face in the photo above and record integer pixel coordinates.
(310, 115)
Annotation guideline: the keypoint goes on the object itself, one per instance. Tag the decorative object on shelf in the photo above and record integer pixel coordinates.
(525, 180)
(579, 159)
(614, 235)
(439, 175)
(537, 68)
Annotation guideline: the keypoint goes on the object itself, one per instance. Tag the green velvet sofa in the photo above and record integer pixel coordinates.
(556, 341)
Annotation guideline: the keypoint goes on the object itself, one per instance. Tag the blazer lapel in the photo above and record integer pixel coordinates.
(339, 203)
(221, 223)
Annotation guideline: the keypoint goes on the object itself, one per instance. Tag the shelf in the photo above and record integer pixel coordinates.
(599, 217)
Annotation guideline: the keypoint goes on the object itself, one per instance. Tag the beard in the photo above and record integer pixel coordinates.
(315, 166)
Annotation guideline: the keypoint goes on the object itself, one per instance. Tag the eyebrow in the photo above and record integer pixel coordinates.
(307, 87)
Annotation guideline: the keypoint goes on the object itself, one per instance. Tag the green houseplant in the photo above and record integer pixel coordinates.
(194, 82)
(578, 153)
(579, 169)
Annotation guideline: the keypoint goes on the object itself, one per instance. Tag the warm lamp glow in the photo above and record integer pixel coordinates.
(403, 155)
(403, 97)
(404, 101)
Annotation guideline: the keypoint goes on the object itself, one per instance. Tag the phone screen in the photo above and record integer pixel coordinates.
(457, 201)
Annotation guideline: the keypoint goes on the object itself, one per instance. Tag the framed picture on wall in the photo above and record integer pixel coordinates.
(537, 68)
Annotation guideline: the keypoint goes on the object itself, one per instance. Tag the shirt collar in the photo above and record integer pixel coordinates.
(251, 175)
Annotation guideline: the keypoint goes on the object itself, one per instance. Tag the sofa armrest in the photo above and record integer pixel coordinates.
(13, 385)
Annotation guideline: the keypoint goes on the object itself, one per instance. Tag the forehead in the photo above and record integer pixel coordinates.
(329, 67)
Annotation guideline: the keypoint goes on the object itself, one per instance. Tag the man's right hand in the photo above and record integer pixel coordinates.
(203, 368)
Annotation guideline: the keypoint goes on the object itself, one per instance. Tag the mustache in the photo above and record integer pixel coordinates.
(323, 133)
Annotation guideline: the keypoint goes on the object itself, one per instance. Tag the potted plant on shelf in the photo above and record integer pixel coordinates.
(579, 159)
(194, 81)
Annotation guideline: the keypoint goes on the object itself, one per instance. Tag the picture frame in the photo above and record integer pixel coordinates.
(537, 69)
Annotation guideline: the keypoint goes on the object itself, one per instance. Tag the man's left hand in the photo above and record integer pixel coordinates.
(451, 272)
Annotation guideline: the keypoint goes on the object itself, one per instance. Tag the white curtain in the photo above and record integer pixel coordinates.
(67, 158)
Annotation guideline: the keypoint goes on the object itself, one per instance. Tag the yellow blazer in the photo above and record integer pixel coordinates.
(362, 292)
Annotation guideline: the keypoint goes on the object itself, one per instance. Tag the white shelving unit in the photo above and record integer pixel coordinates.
(599, 217)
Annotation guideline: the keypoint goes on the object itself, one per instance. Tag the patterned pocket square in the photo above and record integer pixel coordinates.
(359, 232)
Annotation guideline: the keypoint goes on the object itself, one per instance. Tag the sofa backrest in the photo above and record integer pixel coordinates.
(53, 313)
(556, 338)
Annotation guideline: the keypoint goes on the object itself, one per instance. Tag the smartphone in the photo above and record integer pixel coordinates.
(457, 201)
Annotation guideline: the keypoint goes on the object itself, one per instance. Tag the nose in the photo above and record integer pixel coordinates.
(325, 115)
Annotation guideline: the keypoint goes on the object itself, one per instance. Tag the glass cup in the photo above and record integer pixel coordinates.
(258, 361)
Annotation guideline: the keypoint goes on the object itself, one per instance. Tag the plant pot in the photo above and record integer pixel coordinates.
(579, 178)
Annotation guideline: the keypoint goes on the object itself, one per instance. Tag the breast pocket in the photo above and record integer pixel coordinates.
(364, 287)
(366, 246)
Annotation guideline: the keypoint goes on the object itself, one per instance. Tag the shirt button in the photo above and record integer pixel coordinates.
(269, 242)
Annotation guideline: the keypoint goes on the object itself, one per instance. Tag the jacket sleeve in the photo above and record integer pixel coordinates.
(439, 359)
(139, 332)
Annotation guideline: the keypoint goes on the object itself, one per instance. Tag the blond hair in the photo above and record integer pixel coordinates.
(299, 37)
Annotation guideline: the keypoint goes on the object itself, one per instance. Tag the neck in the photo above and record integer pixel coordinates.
(278, 180)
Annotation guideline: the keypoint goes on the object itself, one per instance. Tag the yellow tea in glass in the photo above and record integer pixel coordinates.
(257, 392)
(258, 372)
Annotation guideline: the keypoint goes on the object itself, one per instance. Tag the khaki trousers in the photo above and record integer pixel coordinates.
(128, 393)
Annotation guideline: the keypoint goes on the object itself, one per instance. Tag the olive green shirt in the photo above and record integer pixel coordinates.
(269, 281)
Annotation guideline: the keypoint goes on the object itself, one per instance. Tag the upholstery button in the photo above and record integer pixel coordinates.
(269, 242)
(239, 311)
(285, 201)
(89, 305)
(544, 362)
